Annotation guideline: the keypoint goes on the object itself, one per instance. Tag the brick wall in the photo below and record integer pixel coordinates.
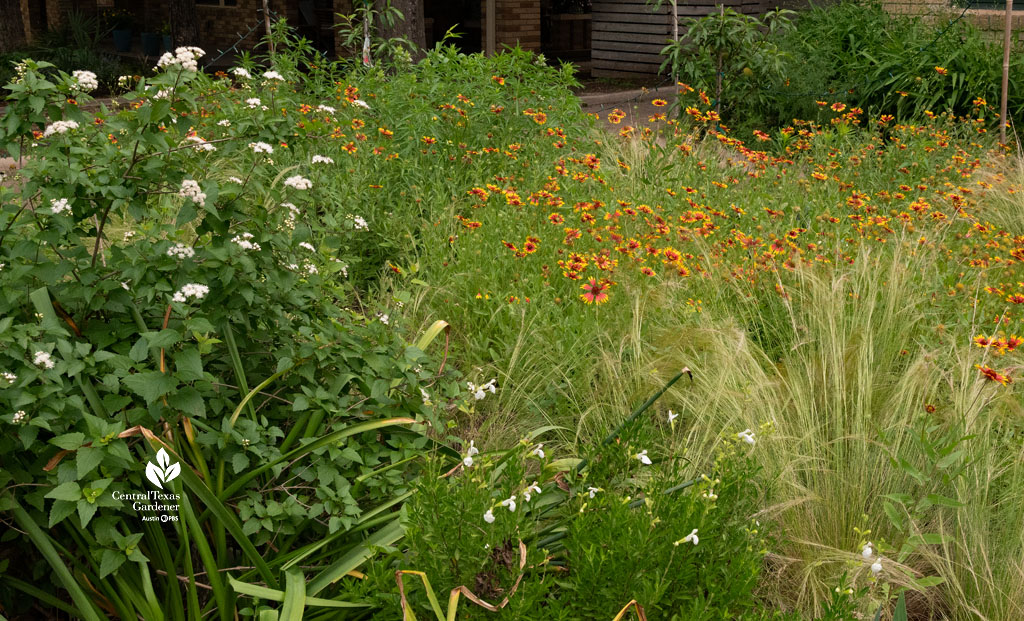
(515, 21)
(990, 22)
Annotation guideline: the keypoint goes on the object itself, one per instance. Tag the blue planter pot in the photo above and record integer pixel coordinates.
(167, 43)
(123, 40)
(151, 42)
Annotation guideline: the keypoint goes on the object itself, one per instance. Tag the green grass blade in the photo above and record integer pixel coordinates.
(294, 596)
(276, 595)
(255, 391)
(357, 556)
(436, 328)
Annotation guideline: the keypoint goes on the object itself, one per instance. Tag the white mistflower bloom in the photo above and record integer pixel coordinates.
(322, 159)
(124, 285)
(384, 318)
(20, 418)
(59, 127)
(308, 246)
(245, 241)
(201, 144)
(43, 360)
(489, 517)
(360, 223)
(128, 235)
(253, 102)
(191, 290)
(163, 93)
(59, 206)
(273, 75)
(224, 123)
(124, 81)
(293, 214)
(467, 461)
(241, 72)
(8, 377)
(85, 81)
(180, 251)
(644, 459)
(361, 104)
(190, 189)
(426, 401)
(261, 147)
(298, 182)
(235, 180)
(166, 60)
(327, 109)
(691, 538)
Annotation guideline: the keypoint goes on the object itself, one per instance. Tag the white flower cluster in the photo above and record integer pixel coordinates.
(190, 189)
(747, 436)
(298, 182)
(187, 57)
(58, 206)
(180, 251)
(20, 418)
(869, 552)
(163, 93)
(479, 392)
(327, 109)
(241, 72)
(124, 81)
(191, 290)
(322, 159)
(128, 235)
(201, 144)
(8, 377)
(59, 127)
(253, 102)
(224, 123)
(308, 246)
(235, 180)
(359, 222)
(293, 214)
(245, 241)
(361, 104)
(85, 81)
(307, 268)
(20, 69)
(43, 360)
(510, 502)
(261, 147)
(384, 318)
(272, 75)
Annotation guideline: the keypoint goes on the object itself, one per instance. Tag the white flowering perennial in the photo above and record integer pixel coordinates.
(20, 418)
(59, 127)
(241, 72)
(384, 318)
(644, 459)
(867, 552)
(201, 144)
(592, 491)
(8, 377)
(308, 246)
(236, 180)
(298, 182)
(180, 252)
(672, 418)
(186, 57)
(322, 159)
(479, 392)
(164, 93)
(224, 123)
(191, 290)
(359, 222)
(510, 502)
(467, 461)
(327, 109)
(747, 436)
(539, 451)
(190, 189)
(530, 491)
(261, 147)
(273, 75)
(253, 102)
(361, 104)
(292, 216)
(43, 360)
(124, 81)
(59, 206)
(489, 516)
(85, 81)
(245, 241)
(691, 538)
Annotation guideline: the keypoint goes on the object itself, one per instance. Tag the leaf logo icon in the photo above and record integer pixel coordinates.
(163, 471)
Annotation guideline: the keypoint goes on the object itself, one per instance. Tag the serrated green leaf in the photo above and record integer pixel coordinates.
(66, 491)
(188, 366)
(69, 441)
(86, 460)
(60, 510)
(150, 385)
(110, 561)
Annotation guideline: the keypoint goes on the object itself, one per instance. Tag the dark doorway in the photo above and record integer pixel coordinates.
(565, 31)
(464, 15)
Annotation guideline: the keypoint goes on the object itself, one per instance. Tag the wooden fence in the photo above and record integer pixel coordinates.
(627, 35)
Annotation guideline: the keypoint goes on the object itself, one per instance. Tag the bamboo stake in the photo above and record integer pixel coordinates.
(1007, 29)
(266, 23)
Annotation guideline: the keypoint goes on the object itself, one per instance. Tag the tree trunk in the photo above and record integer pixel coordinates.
(412, 26)
(184, 22)
(12, 28)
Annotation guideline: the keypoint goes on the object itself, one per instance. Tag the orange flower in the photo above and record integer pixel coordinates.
(498, 79)
(993, 375)
(941, 70)
(659, 103)
(595, 291)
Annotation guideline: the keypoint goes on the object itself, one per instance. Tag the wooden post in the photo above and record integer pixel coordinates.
(675, 37)
(1008, 28)
(266, 22)
(489, 39)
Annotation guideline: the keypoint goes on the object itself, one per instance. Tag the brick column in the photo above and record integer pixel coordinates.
(516, 21)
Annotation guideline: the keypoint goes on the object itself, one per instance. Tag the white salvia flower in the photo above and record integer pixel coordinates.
(472, 450)
(190, 189)
(327, 109)
(59, 206)
(298, 182)
(593, 491)
(235, 180)
(867, 552)
(691, 538)
(672, 417)
(85, 81)
(532, 489)
(361, 104)
(308, 246)
(876, 567)
(191, 290)
(224, 123)
(747, 436)
(510, 502)
(20, 418)
(539, 451)
(43, 360)
(245, 241)
(59, 127)
(261, 147)
(644, 459)
(180, 251)
(322, 159)
(253, 102)
(273, 75)
(489, 517)
(241, 72)
(8, 376)
(124, 285)
(201, 144)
